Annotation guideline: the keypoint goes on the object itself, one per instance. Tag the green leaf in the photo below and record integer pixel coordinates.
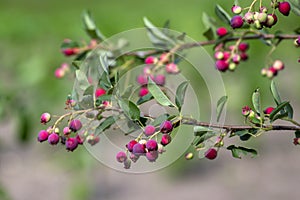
(144, 99)
(210, 25)
(295, 6)
(105, 124)
(129, 109)
(87, 102)
(82, 80)
(104, 81)
(201, 130)
(256, 100)
(206, 136)
(222, 14)
(279, 108)
(160, 119)
(297, 134)
(220, 106)
(90, 27)
(105, 97)
(209, 34)
(275, 93)
(158, 95)
(241, 132)
(180, 94)
(290, 111)
(297, 30)
(89, 90)
(237, 151)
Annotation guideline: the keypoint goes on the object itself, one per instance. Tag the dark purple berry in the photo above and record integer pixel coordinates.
(138, 149)
(71, 144)
(53, 138)
(243, 46)
(151, 145)
(130, 145)
(42, 136)
(152, 156)
(149, 130)
(166, 127)
(211, 154)
(222, 65)
(165, 139)
(236, 22)
(75, 125)
(121, 156)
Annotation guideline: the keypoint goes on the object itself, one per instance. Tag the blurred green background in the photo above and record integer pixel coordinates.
(30, 36)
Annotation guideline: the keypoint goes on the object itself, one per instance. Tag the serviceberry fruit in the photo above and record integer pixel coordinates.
(172, 68)
(151, 145)
(211, 153)
(166, 127)
(53, 138)
(221, 31)
(149, 130)
(236, 9)
(222, 65)
(142, 79)
(160, 79)
(236, 22)
(75, 125)
(130, 145)
(284, 8)
(165, 139)
(138, 149)
(71, 144)
(42, 136)
(268, 110)
(121, 156)
(150, 60)
(99, 92)
(143, 91)
(152, 156)
(45, 118)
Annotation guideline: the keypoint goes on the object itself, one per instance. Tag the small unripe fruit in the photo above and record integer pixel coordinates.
(80, 139)
(45, 118)
(75, 125)
(262, 17)
(278, 65)
(92, 139)
(284, 8)
(130, 145)
(121, 156)
(246, 110)
(236, 58)
(42, 136)
(53, 139)
(99, 92)
(66, 130)
(268, 110)
(133, 157)
(59, 73)
(296, 141)
(221, 31)
(142, 79)
(271, 20)
(166, 127)
(152, 156)
(172, 68)
(211, 153)
(138, 149)
(236, 9)
(272, 72)
(165, 139)
(150, 60)
(164, 58)
(257, 24)
(71, 144)
(232, 66)
(147, 70)
(219, 55)
(263, 9)
(149, 130)
(189, 156)
(236, 22)
(127, 164)
(151, 145)
(243, 46)
(249, 17)
(160, 148)
(143, 91)
(264, 71)
(160, 79)
(222, 65)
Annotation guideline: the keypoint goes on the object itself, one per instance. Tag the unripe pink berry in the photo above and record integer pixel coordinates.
(172, 68)
(166, 127)
(189, 156)
(150, 60)
(236, 22)
(59, 73)
(232, 66)
(138, 149)
(147, 70)
(160, 79)
(164, 58)
(75, 125)
(284, 8)
(66, 130)
(99, 92)
(236, 58)
(151, 145)
(219, 55)
(152, 156)
(130, 145)
(53, 138)
(45, 118)
(221, 31)
(263, 9)
(149, 130)
(249, 17)
(226, 55)
(278, 65)
(243, 46)
(80, 139)
(236, 9)
(268, 110)
(143, 91)
(121, 156)
(71, 144)
(165, 139)
(246, 110)
(142, 79)
(222, 65)
(271, 20)
(42, 136)
(211, 153)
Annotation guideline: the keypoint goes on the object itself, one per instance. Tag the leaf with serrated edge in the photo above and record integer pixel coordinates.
(158, 95)
(220, 106)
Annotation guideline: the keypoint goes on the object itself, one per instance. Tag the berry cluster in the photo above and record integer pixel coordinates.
(153, 64)
(273, 70)
(254, 117)
(145, 145)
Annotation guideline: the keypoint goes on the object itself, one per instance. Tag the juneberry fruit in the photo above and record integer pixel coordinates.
(79, 138)
(232, 66)
(133, 157)
(244, 56)
(42, 136)
(149, 130)
(121, 156)
(45, 117)
(66, 130)
(127, 164)
(99, 92)
(246, 110)
(268, 110)
(165, 139)
(264, 71)
(243, 46)
(164, 58)
(71, 144)
(249, 17)
(142, 79)
(189, 156)
(151, 145)
(284, 8)
(130, 145)
(147, 70)
(271, 20)
(222, 65)
(211, 153)
(152, 156)
(150, 60)
(92, 139)
(236, 22)
(219, 55)
(226, 55)
(166, 127)
(236, 58)
(53, 138)
(138, 149)
(59, 73)
(236, 9)
(278, 65)
(172, 68)
(221, 31)
(75, 125)
(262, 17)
(69, 51)
(143, 91)
(160, 79)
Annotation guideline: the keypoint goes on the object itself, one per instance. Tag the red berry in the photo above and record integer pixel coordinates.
(222, 31)
(121, 156)
(166, 127)
(226, 55)
(151, 145)
(246, 110)
(222, 65)
(268, 110)
(53, 138)
(99, 92)
(143, 91)
(236, 22)
(68, 52)
(43, 136)
(211, 154)
(71, 144)
(138, 149)
(243, 46)
(45, 117)
(75, 125)
(149, 130)
(80, 139)
(165, 139)
(150, 60)
(244, 56)
(130, 145)
(284, 7)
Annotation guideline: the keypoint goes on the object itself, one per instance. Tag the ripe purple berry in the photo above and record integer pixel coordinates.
(151, 145)
(152, 156)
(222, 65)
(71, 144)
(166, 127)
(160, 79)
(45, 117)
(53, 138)
(284, 7)
(165, 139)
(211, 153)
(75, 125)
(42, 136)
(149, 130)
(138, 149)
(130, 145)
(121, 156)
(236, 22)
